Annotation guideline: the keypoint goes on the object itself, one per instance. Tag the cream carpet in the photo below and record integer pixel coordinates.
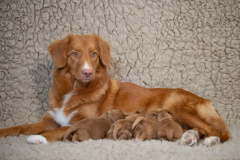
(13, 148)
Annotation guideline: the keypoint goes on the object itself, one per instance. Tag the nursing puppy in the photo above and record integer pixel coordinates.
(93, 128)
(122, 128)
(146, 128)
(169, 129)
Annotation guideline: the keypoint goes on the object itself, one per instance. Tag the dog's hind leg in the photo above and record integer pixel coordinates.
(137, 134)
(110, 132)
(200, 129)
(211, 117)
(142, 137)
(125, 135)
(75, 138)
(109, 135)
(161, 135)
(83, 136)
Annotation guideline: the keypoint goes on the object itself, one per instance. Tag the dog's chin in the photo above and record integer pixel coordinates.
(84, 79)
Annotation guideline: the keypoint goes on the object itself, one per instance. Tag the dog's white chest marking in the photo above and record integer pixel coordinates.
(58, 114)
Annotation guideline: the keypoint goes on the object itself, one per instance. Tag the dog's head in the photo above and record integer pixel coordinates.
(163, 114)
(151, 115)
(116, 114)
(82, 55)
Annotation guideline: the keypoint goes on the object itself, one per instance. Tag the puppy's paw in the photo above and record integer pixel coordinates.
(75, 142)
(190, 138)
(36, 139)
(211, 141)
(125, 136)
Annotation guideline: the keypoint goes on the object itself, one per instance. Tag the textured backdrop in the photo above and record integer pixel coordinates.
(194, 45)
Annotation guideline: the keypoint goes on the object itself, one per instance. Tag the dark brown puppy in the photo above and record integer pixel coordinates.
(146, 128)
(122, 128)
(169, 129)
(93, 128)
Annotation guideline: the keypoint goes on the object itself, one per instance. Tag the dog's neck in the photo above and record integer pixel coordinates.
(164, 121)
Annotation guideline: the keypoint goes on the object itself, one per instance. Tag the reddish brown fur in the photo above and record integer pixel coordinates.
(169, 129)
(122, 129)
(99, 94)
(93, 128)
(146, 128)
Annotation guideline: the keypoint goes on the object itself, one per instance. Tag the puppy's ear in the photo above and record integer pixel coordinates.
(169, 113)
(138, 120)
(105, 55)
(58, 50)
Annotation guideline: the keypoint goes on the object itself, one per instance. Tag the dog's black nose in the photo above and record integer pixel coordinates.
(87, 72)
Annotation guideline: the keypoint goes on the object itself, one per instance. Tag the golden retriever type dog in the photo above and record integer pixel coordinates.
(81, 89)
(169, 129)
(93, 128)
(122, 128)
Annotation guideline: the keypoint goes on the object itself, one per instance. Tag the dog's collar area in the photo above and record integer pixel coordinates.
(110, 117)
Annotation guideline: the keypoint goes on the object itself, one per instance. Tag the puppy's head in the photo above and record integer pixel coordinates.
(84, 55)
(152, 115)
(116, 114)
(163, 114)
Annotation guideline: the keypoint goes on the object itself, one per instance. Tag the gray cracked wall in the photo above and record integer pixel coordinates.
(194, 45)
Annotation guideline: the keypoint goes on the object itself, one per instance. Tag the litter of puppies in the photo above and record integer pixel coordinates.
(115, 125)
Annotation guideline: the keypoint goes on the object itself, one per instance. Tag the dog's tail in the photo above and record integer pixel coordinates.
(70, 130)
(169, 133)
(138, 120)
(117, 127)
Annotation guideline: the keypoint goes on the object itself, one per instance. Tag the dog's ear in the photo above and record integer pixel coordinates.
(138, 120)
(58, 50)
(105, 55)
(169, 113)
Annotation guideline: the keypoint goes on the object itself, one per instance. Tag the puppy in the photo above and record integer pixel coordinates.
(169, 129)
(93, 128)
(122, 128)
(146, 128)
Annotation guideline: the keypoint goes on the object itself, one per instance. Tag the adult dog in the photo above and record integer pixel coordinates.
(81, 89)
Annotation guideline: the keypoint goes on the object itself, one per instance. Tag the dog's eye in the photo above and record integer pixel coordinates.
(75, 54)
(94, 53)
(154, 115)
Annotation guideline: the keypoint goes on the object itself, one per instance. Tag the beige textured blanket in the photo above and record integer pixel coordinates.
(194, 45)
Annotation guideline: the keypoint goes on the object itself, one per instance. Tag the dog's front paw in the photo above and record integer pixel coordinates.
(211, 141)
(190, 138)
(36, 139)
